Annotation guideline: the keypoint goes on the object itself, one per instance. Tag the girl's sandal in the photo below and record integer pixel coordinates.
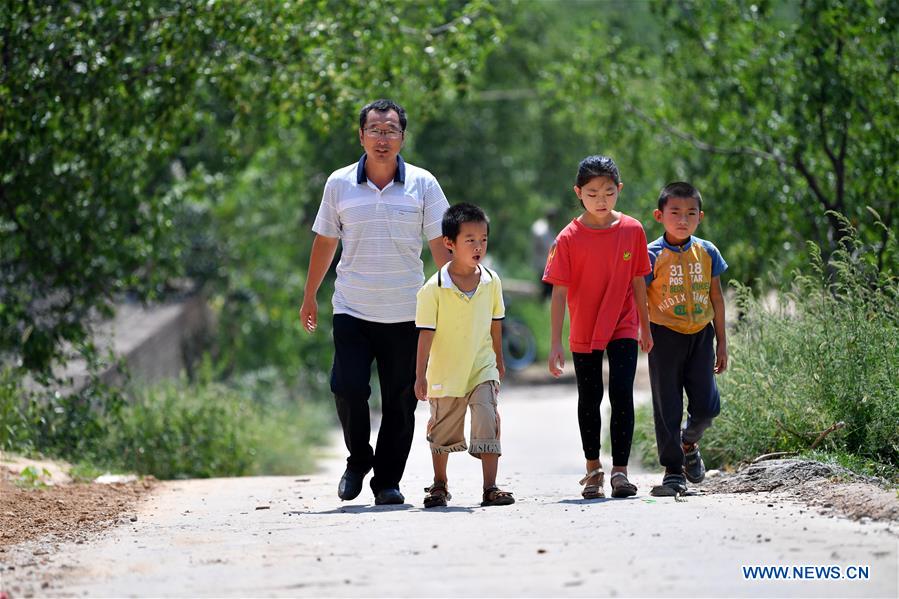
(495, 496)
(621, 486)
(593, 491)
(437, 495)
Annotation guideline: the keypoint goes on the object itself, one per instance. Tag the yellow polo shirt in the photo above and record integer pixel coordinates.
(462, 352)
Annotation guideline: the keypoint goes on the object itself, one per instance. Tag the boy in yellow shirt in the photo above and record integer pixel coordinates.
(460, 361)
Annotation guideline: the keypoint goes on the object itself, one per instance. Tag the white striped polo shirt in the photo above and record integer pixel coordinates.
(380, 268)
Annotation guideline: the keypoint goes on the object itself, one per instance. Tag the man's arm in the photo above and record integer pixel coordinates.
(425, 338)
(646, 342)
(439, 252)
(717, 298)
(496, 333)
(320, 258)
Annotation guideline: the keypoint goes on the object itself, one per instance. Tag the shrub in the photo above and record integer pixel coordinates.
(176, 429)
(13, 425)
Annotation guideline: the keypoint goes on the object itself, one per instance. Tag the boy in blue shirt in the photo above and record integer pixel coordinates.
(686, 313)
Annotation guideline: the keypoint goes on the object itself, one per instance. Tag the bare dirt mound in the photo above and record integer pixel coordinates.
(36, 516)
(822, 486)
(68, 510)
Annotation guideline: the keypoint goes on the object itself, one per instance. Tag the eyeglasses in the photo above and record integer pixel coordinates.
(383, 133)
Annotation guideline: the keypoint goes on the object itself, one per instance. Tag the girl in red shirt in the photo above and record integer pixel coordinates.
(596, 266)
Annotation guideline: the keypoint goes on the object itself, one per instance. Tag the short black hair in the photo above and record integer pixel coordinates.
(457, 214)
(597, 166)
(679, 189)
(382, 105)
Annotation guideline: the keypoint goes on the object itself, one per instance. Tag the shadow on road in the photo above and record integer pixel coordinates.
(450, 509)
(355, 509)
(374, 509)
(584, 501)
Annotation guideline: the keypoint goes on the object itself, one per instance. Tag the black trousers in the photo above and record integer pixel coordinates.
(679, 363)
(357, 343)
(588, 370)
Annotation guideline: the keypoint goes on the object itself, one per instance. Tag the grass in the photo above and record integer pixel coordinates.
(178, 429)
(643, 449)
(826, 352)
(855, 464)
(83, 472)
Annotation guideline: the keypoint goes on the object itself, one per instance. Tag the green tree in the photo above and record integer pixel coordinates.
(104, 107)
(514, 144)
(780, 112)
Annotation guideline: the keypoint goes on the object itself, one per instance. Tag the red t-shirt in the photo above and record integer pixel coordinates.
(598, 267)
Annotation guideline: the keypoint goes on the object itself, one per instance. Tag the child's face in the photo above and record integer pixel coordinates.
(680, 218)
(599, 196)
(470, 245)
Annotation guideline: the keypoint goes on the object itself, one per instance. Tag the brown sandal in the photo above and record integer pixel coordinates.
(621, 486)
(593, 491)
(437, 495)
(495, 496)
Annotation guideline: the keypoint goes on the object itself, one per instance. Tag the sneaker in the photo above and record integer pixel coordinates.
(694, 467)
(672, 486)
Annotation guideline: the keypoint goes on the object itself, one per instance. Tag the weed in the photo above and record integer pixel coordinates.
(84, 472)
(32, 478)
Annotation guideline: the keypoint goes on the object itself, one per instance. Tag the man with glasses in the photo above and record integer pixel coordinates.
(379, 208)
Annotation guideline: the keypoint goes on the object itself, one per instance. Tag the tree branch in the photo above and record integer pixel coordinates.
(823, 128)
(786, 429)
(774, 456)
(797, 162)
(698, 143)
(836, 161)
(810, 179)
(465, 19)
(799, 200)
(822, 102)
(499, 95)
(834, 427)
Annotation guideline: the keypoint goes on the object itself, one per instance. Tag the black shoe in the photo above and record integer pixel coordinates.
(350, 484)
(672, 485)
(389, 497)
(694, 467)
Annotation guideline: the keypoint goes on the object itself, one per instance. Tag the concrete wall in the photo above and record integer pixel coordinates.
(154, 342)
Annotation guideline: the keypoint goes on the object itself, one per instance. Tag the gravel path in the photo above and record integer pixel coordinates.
(291, 536)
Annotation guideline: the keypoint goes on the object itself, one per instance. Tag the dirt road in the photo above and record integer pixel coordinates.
(291, 536)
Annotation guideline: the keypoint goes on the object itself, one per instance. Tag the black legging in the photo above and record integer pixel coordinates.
(622, 367)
